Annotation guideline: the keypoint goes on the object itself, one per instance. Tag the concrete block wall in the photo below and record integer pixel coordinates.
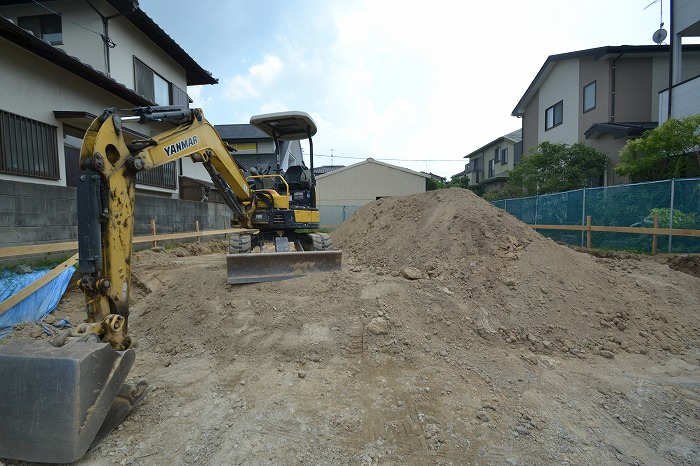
(39, 214)
(36, 213)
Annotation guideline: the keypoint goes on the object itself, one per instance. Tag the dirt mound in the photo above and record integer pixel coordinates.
(445, 228)
(527, 288)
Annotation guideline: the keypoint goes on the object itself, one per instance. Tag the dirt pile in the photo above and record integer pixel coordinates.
(438, 231)
(520, 285)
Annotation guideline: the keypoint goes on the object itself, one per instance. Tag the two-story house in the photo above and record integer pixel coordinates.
(489, 165)
(62, 63)
(600, 96)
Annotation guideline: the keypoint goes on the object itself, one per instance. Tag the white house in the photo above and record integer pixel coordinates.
(342, 191)
(62, 63)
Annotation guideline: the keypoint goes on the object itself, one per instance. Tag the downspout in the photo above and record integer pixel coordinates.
(613, 86)
(313, 177)
(670, 63)
(108, 43)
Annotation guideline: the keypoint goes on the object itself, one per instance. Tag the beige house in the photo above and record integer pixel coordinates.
(600, 97)
(62, 63)
(489, 165)
(342, 191)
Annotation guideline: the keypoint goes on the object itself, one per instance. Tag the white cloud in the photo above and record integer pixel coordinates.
(398, 79)
(198, 100)
(259, 76)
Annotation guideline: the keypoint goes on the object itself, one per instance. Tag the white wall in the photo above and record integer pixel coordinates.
(132, 42)
(363, 182)
(561, 84)
(687, 12)
(81, 26)
(39, 88)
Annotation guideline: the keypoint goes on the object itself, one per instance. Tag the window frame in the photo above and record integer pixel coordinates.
(492, 168)
(583, 97)
(28, 147)
(43, 22)
(176, 96)
(504, 156)
(555, 121)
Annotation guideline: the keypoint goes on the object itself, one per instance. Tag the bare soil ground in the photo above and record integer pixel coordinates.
(453, 335)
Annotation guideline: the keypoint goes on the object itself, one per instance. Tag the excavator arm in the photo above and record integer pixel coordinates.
(106, 190)
(59, 397)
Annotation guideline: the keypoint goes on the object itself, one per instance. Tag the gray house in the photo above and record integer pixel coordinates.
(600, 97)
(489, 165)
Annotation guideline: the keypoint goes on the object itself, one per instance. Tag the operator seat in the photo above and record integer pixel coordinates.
(298, 178)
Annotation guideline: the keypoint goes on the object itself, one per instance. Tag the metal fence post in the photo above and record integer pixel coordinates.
(670, 220)
(583, 214)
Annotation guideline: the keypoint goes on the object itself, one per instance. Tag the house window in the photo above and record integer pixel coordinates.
(553, 116)
(504, 155)
(245, 146)
(164, 176)
(496, 154)
(492, 167)
(589, 97)
(28, 147)
(155, 88)
(179, 97)
(46, 27)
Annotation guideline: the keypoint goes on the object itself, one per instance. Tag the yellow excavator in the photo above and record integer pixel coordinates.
(59, 397)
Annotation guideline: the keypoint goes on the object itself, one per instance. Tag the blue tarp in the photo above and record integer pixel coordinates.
(35, 306)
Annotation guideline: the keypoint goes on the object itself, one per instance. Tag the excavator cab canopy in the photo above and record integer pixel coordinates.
(285, 126)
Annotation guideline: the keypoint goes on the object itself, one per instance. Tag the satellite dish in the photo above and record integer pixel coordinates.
(659, 36)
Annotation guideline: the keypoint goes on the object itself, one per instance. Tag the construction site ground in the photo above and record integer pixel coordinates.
(454, 334)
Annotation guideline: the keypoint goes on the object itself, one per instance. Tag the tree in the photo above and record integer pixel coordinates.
(551, 168)
(662, 153)
(456, 182)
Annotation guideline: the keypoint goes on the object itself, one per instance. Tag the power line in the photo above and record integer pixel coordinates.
(106, 39)
(333, 156)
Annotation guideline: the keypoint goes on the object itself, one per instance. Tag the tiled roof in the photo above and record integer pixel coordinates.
(240, 132)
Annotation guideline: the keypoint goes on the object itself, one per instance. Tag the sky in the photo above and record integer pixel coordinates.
(411, 83)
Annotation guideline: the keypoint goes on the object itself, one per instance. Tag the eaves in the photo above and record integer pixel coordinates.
(196, 75)
(44, 50)
(597, 53)
(129, 9)
(514, 137)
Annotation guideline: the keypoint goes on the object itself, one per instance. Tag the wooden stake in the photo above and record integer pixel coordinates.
(588, 231)
(196, 229)
(153, 232)
(653, 238)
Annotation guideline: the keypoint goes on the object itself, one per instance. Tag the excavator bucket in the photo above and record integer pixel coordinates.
(56, 402)
(276, 266)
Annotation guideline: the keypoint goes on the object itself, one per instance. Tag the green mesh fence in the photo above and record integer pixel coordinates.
(676, 202)
(686, 215)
